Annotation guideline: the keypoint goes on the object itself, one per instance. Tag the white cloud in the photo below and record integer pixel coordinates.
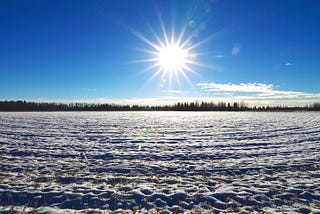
(173, 91)
(251, 93)
(289, 64)
(257, 92)
(243, 87)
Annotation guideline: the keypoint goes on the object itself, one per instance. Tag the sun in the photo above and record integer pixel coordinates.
(170, 55)
(173, 58)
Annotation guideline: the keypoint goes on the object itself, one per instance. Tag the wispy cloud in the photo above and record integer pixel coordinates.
(173, 91)
(258, 92)
(289, 64)
(243, 87)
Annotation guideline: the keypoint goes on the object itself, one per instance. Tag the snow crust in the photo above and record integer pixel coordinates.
(165, 162)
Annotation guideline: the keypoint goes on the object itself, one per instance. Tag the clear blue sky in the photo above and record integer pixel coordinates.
(259, 51)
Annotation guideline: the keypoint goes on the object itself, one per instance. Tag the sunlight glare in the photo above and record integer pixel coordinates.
(172, 57)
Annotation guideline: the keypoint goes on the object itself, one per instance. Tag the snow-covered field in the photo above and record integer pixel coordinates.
(193, 162)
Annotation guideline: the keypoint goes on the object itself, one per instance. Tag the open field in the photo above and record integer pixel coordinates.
(166, 162)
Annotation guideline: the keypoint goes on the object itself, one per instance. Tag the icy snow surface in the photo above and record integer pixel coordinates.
(167, 162)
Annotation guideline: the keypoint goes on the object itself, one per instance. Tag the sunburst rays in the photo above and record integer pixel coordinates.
(170, 55)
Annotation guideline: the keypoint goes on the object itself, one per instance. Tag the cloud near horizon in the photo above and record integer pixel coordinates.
(256, 91)
(252, 93)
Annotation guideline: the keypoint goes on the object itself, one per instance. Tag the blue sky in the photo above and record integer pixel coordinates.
(262, 52)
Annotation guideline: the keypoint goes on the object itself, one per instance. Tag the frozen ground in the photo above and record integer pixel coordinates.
(166, 162)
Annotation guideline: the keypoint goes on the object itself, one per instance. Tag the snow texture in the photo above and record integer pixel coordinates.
(165, 162)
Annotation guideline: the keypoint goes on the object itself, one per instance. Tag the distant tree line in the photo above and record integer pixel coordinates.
(210, 106)
(179, 106)
(237, 106)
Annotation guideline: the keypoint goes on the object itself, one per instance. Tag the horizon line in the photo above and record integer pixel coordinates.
(169, 101)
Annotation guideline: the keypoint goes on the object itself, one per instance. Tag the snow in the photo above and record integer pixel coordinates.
(165, 162)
